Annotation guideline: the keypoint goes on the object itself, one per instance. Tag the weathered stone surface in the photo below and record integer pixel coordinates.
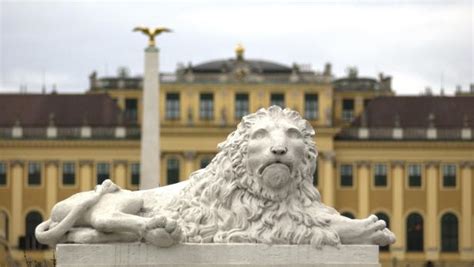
(215, 255)
(257, 189)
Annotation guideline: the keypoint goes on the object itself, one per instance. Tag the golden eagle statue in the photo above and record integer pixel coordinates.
(151, 33)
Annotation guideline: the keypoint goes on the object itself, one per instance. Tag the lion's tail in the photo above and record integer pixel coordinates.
(50, 233)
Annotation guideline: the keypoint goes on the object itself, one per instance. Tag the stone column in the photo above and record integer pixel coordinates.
(397, 223)
(150, 128)
(363, 178)
(52, 180)
(466, 234)
(120, 173)
(432, 225)
(189, 157)
(17, 180)
(329, 183)
(86, 175)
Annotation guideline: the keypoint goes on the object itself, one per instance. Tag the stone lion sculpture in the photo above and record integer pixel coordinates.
(257, 189)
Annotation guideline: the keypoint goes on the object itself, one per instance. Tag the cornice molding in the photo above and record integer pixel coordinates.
(432, 163)
(54, 162)
(363, 163)
(19, 162)
(85, 162)
(328, 155)
(397, 163)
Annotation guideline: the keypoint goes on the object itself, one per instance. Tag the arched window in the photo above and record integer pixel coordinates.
(414, 234)
(348, 215)
(449, 233)
(33, 218)
(383, 216)
(4, 227)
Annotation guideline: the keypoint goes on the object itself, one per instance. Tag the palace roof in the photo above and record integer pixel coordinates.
(40, 110)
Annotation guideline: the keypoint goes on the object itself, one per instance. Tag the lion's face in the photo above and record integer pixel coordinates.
(275, 153)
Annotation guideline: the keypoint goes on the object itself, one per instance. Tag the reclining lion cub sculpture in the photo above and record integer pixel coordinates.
(257, 189)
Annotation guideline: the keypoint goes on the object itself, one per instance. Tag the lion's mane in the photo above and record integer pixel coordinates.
(222, 203)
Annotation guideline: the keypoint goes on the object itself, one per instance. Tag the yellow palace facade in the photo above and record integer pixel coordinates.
(409, 160)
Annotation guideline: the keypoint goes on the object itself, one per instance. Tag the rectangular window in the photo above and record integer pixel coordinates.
(103, 172)
(414, 175)
(316, 177)
(3, 173)
(173, 171)
(380, 175)
(277, 100)
(241, 105)
(34, 173)
(131, 109)
(449, 175)
(347, 110)
(346, 175)
(311, 107)
(69, 173)
(204, 162)
(206, 106)
(172, 106)
(135, 173)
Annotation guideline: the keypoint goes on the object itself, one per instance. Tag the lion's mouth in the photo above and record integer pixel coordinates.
(264, 166)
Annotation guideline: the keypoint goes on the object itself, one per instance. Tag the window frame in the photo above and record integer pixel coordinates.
(63, 164)
(40, 175)
(408, 176)
(277, 94)
(442, 180)
(340, 178)
(206, 110)
(237, 111)
(173, 106)
(131, 174)
(308, 110)
(6, 172)
(178, 170)
(374, 176)
(102, 163)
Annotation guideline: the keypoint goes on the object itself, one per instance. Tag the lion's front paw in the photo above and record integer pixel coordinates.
(377, 232)
(162, 232)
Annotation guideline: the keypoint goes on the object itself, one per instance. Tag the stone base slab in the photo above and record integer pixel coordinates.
(215, 255)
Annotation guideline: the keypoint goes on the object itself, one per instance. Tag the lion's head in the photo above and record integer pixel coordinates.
(258, 188)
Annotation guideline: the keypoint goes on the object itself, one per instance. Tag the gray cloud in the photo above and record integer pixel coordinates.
(419, 44)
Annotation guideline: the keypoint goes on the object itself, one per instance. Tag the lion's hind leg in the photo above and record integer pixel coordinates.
(90, 236)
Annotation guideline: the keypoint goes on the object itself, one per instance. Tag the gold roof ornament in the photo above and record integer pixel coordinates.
(239, 51)
(151, 33)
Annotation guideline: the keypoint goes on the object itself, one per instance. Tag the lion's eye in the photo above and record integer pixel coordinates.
(259, 134)
(294, 133)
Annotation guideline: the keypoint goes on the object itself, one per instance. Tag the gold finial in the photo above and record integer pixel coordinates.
(239, 51)
(151, 33)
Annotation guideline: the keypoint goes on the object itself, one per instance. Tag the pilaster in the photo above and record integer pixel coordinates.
(52, 180)
(18, 173)
(86, 178)
(189, 158)
(328, 193)
(398, 223)
(466, 234)
(432, 229)
(120, 173)
(363, 180)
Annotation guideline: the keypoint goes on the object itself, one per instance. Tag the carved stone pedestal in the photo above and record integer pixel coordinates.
(215, 255)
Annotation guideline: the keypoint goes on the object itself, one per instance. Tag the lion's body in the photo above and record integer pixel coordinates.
(258, 188)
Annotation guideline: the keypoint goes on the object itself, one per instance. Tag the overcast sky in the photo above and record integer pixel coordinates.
(426, 43)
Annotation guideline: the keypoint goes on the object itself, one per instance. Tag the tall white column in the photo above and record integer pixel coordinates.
(150, 138)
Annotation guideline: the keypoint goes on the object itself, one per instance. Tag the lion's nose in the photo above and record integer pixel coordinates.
(279, 150)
